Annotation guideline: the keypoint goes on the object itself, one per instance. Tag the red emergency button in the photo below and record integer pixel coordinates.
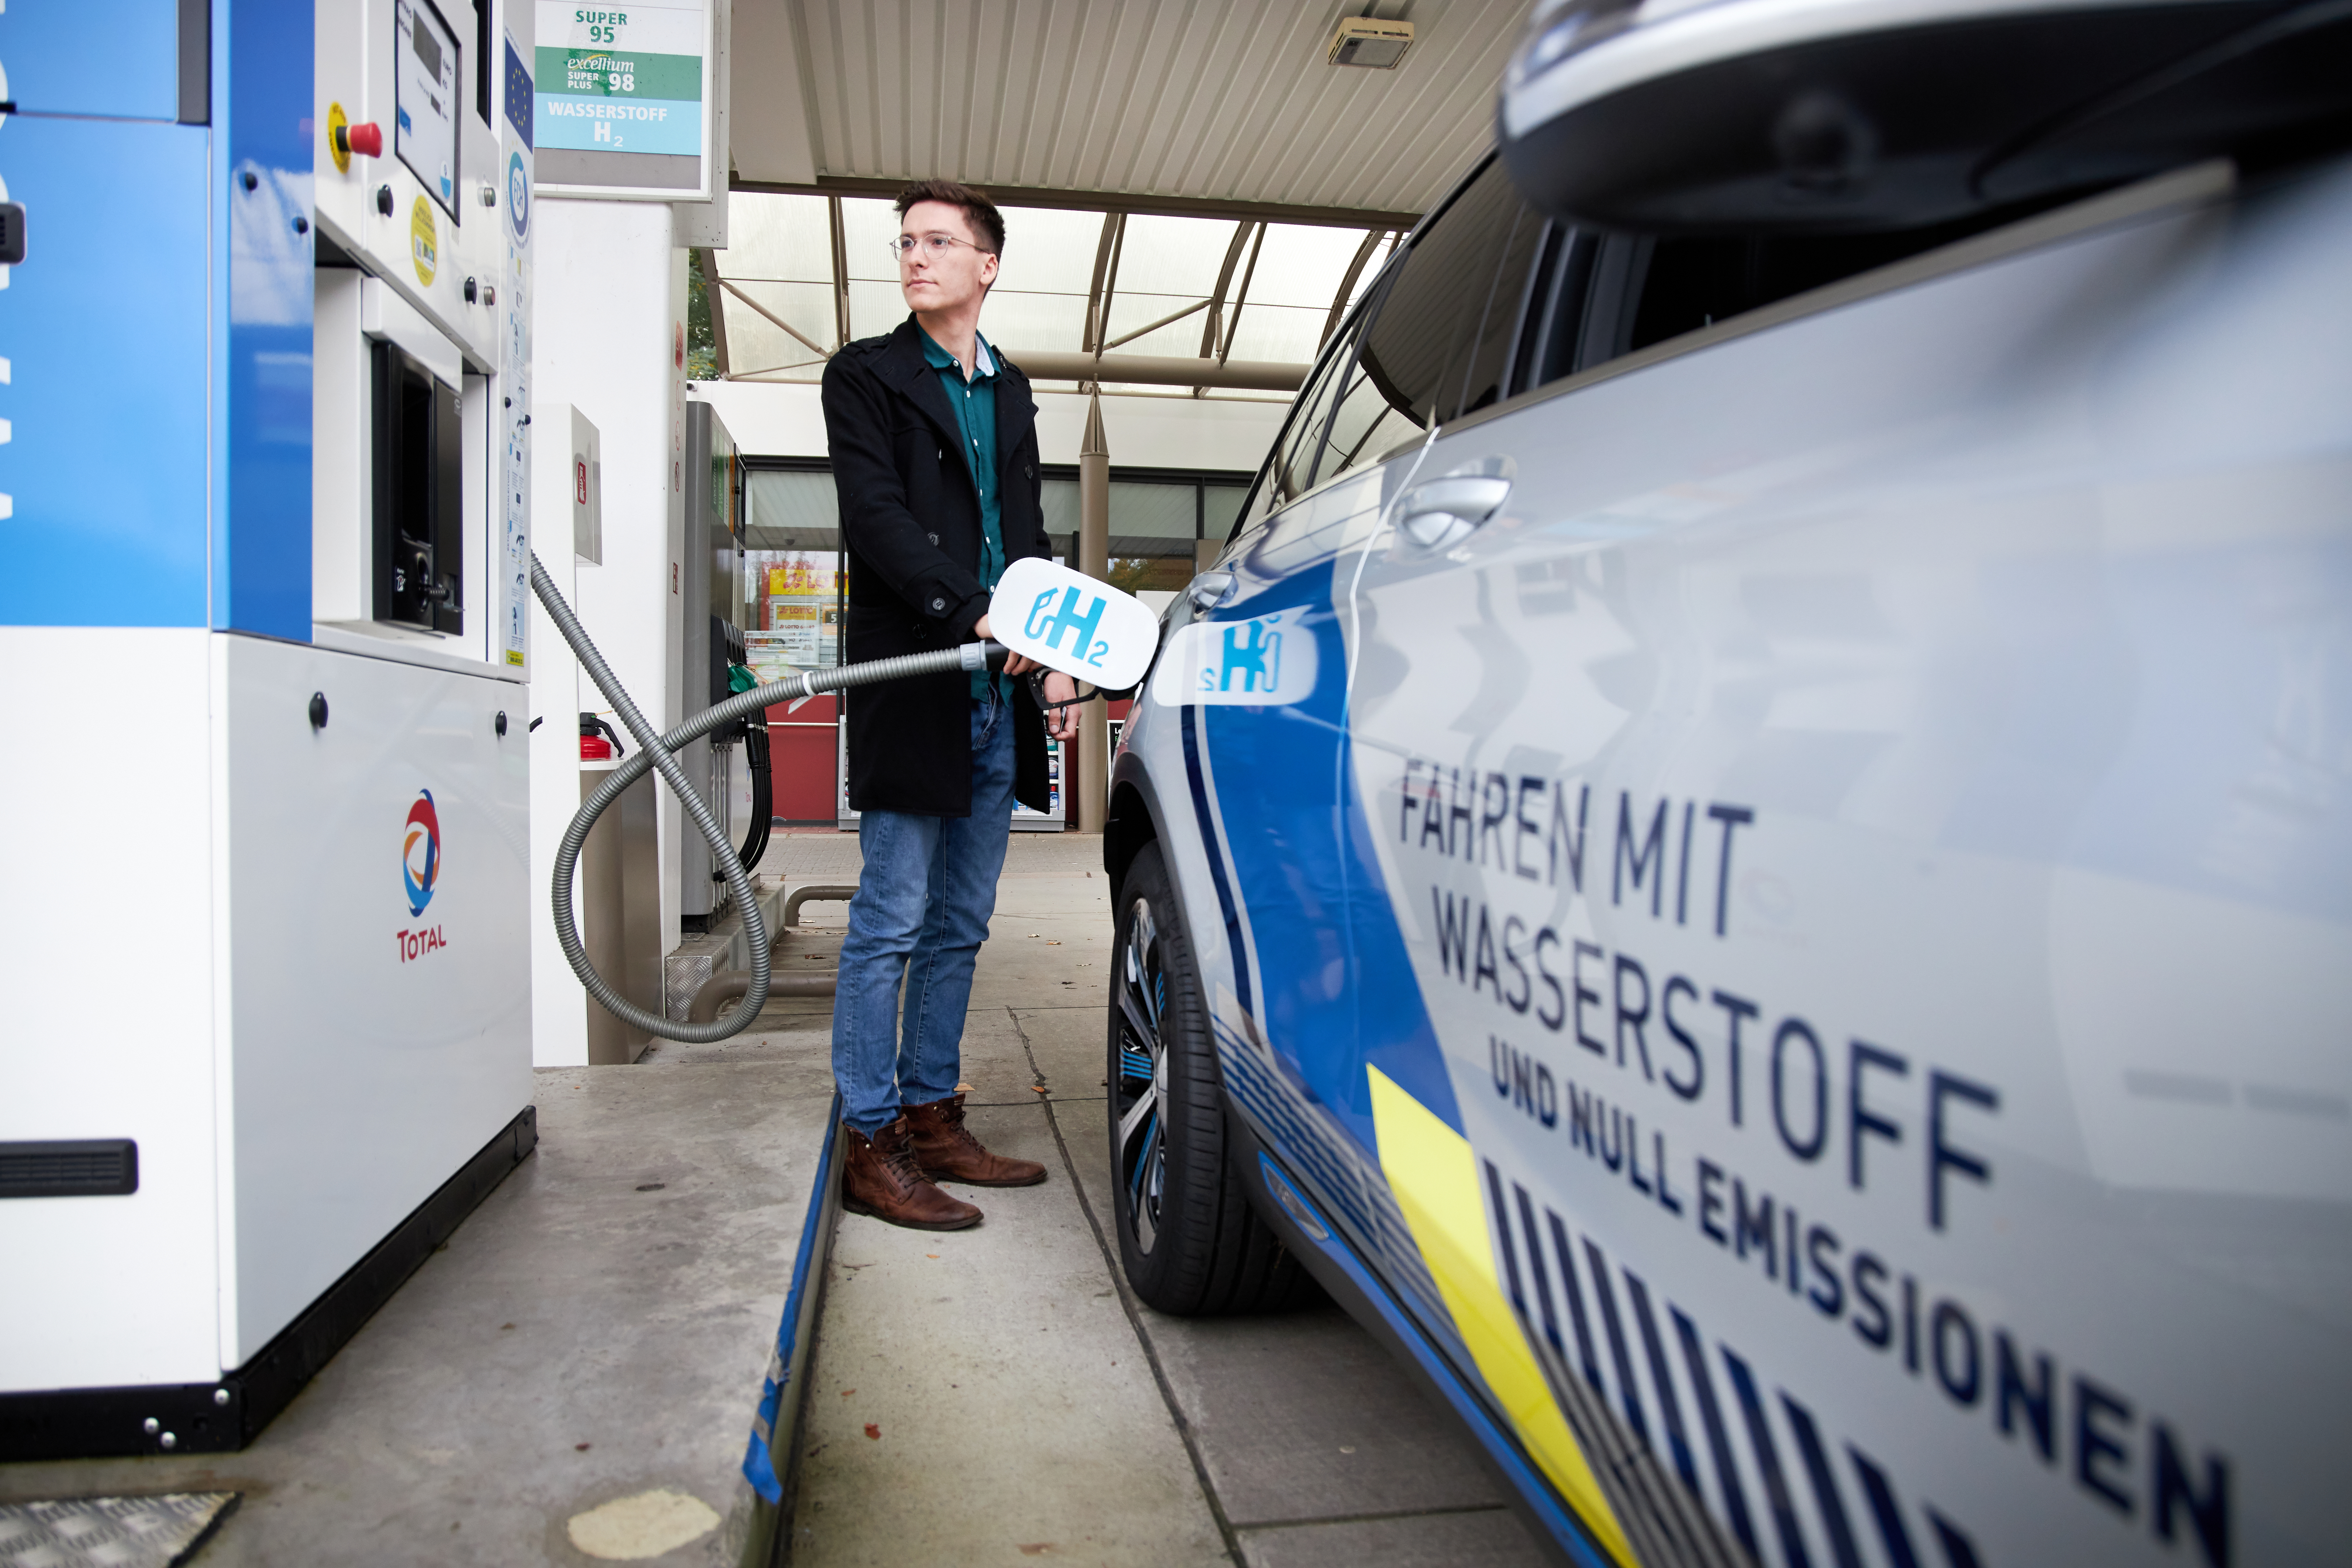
(367, 139)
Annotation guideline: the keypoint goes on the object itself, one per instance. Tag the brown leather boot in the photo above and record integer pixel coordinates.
(879, 1178)
(946, 1150)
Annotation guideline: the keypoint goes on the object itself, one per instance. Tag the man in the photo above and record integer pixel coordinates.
(934, 445)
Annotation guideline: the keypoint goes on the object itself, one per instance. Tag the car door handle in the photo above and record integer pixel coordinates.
(1210, 589)
(1443, 510)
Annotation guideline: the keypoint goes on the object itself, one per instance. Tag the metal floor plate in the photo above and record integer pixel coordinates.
(108, 1532)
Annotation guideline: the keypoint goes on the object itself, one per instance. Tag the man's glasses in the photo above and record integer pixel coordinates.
(935, 245)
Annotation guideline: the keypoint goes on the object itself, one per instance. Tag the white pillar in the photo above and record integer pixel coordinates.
(609, 335)
(1092, 775)
(559, 1004)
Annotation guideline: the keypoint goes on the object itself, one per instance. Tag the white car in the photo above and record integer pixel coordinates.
(1748, 851)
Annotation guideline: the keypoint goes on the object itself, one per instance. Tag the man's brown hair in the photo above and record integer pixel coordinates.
(987, 223)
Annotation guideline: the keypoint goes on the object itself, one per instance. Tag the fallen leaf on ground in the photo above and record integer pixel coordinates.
(1037, 1549)
(874, 1431)
(578, 1447)
(931, 1255)
(847, 1392)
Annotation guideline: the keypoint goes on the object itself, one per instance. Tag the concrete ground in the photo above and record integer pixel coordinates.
(581, 1364)
(595, 1332)
(995, 1395)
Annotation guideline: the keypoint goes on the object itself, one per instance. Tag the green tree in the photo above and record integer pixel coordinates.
(702, 343)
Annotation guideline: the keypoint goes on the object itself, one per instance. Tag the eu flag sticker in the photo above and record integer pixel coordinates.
(517, 94)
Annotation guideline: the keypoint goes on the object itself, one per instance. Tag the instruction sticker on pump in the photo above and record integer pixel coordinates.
(1268, 661)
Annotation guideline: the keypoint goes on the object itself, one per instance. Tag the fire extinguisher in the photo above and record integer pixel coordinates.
(599, 741)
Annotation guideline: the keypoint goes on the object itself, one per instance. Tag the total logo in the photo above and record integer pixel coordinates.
(420, 873)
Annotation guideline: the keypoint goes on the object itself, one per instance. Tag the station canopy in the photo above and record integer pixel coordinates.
(1180, 179)
(1185, 180)
(804, 273)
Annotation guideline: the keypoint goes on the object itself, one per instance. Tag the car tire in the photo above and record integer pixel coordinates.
(1188, 1239)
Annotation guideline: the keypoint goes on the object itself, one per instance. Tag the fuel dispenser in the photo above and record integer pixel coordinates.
(265, 365)
(713, 649)
(268, 352)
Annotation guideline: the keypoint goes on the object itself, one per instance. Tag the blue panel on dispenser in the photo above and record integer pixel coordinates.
(102, 333)
(120, 58)
(262, 560)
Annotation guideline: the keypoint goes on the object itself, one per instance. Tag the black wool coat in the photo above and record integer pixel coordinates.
(910, 523)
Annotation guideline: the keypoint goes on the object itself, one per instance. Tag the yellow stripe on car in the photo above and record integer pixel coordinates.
(1434, 1175)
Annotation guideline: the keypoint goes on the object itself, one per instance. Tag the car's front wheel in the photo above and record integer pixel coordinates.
(1187, 1236)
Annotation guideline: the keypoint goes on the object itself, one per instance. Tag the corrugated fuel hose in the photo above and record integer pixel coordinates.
(657, 752)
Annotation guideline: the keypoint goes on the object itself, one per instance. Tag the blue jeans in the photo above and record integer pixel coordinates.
(920, 915)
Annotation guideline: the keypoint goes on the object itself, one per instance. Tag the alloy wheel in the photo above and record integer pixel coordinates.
(1140, 1100)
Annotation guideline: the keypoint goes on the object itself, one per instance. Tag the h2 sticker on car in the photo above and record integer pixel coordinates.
(1263, 662)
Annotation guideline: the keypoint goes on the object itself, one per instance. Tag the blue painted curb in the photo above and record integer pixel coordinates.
(795, 1334)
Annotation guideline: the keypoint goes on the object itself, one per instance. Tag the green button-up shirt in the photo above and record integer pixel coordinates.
(973, 401)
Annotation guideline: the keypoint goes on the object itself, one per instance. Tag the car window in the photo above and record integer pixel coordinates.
(1692, 283)
(1302, 441)
(1553, 329)
(1261, 502)
(1598, 298)
(1221, 506)
(1443, 326)
(1440, 334)
(1366, 428)
(1512, 237)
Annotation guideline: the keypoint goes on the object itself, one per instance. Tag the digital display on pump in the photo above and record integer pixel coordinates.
(427, 72)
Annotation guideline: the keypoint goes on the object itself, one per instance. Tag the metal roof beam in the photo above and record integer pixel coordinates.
(1348, 283)
(1233, 323)
(840, 282)
(794, 333)
(1110, 283)
(1211, 327)
(1168, 320)
(1161, 369)
(1106, 202)
(1090, 329)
